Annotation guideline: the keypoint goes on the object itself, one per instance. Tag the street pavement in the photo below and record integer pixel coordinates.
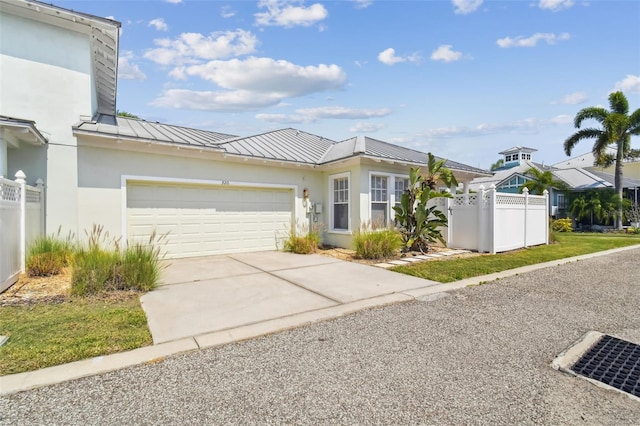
(477, 355)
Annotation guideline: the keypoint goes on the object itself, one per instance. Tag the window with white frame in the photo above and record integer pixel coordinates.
(401, 184)
(379, 201)
(385, 191)
(340, 202)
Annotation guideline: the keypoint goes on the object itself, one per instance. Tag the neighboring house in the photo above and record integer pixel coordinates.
(214, 193)
(573, 172)
(512, 175)
(630, 179)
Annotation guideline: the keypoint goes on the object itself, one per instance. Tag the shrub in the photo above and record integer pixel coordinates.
(377, 243)
(562, 225)
(302, 240)
(103, 266)
(47, 255)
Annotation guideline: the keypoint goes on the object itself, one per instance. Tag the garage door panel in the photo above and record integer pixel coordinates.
(206, 220)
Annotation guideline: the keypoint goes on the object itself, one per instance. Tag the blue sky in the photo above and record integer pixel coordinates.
(463, 79)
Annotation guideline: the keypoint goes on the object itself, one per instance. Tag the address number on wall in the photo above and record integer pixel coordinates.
(225, 182)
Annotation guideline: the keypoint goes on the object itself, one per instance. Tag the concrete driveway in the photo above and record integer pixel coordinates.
(207, 294)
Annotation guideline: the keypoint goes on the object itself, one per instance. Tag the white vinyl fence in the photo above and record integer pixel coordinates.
(21, 221)
(493, 222)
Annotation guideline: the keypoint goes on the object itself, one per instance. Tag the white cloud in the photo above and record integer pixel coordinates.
(388, 57)
(528, 126)
(364, 127)
(189, 48)
(227, 12)
(362, 4)
(533, 40)
(344, 113)
(250, 84)
(128, 70)
(445, 53)
(630, 84)
(562, 119)
(572, 99)
(462, 7)
(239, 100)
(289, 13)
(310, 115)
(360, 64)
(266, 75)
(158, 24)
(555, 5)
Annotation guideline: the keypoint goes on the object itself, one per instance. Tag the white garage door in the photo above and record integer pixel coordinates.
(206, 220)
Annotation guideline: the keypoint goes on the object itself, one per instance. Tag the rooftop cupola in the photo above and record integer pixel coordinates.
(513, 156)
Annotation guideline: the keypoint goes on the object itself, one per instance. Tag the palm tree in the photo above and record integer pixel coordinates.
(617, 126)
(541, 181)
(497, 164)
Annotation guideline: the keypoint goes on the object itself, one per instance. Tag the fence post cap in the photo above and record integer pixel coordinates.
(20, 176)
(525, 190)
(39, 182)
(481, 188)
(492, 186)
(545, 192)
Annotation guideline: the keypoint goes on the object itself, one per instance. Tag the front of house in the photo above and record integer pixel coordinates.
(212, 193)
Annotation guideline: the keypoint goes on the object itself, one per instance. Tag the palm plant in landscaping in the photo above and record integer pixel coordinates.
(616, 128)
(542, 181)
(418, 223)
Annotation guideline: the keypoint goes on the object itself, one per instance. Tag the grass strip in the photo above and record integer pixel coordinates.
(45, 335)
(567, 245)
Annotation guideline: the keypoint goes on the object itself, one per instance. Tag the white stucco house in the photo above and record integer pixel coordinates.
(214, 193)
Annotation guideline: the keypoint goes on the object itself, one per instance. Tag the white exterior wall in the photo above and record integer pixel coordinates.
(101, 171)
(46, 76)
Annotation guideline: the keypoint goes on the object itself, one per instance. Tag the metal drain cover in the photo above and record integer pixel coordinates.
(604, 359)
(614, 362)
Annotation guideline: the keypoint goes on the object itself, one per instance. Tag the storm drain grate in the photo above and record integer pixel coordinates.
(614, 362)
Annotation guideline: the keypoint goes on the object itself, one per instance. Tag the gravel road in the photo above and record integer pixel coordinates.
(481, 355)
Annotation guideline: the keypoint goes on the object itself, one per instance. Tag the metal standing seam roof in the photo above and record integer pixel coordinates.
(386, 151)
(130, 128)
(285, 145)
(289, 144)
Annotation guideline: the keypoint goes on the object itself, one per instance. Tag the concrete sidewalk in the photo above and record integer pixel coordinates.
(427, 291)
(209, 294)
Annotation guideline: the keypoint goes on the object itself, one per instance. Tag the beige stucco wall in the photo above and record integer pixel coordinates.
(45, 76)
(100, 172)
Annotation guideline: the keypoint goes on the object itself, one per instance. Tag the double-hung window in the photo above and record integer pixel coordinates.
(385, 192)
(340, 203)
(379, 201)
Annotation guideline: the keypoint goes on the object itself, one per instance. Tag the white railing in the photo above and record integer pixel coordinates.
(21, 222)
(491, 221)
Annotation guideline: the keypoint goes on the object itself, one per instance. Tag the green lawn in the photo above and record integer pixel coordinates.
(568, 245)
(50, 334)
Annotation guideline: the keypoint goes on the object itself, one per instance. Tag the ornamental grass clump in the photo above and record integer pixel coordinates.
(562, 225)
(302, 240)
(49, 254)
(102, 265)
(373, 243)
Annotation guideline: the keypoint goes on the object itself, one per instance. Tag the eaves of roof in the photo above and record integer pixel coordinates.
(29, 126)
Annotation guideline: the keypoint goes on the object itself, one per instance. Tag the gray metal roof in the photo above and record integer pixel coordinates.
(609, 177)
(285, 145)
(517, 149)
(375, 148)
(289, 144)
(147, 131)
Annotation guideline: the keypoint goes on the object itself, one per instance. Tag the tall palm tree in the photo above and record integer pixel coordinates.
(541, 181)
(617, 126)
